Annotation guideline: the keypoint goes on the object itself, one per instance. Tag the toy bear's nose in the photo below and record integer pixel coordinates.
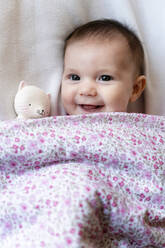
(41, 111)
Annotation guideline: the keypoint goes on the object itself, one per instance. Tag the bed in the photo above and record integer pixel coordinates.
(79, 181)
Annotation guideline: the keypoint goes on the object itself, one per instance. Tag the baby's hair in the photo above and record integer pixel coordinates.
(108, 28)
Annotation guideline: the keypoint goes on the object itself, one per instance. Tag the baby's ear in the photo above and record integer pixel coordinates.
(22, 84)
(138, 88)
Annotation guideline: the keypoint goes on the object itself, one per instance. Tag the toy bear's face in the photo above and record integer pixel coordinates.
(31, 102)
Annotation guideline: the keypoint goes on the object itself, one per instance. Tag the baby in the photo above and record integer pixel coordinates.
(104, 68)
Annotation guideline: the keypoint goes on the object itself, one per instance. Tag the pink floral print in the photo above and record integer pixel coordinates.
(83, 181)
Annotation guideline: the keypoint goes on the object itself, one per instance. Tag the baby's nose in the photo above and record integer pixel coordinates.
(88, 89)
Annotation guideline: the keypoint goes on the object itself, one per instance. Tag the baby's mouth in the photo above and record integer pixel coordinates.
(90, 108)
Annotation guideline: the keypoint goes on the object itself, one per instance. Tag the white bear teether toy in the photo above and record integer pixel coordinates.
(31, 102)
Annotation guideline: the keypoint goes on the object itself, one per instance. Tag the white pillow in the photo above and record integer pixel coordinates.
(32, 37)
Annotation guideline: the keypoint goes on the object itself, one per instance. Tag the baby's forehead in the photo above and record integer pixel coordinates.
(117, 43)
(117, 38)
(130, 43)
(113, 52)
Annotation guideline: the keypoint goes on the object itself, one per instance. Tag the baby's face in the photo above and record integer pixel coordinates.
(98, 76)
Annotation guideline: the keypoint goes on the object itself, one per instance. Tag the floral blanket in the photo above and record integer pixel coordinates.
(83, 181)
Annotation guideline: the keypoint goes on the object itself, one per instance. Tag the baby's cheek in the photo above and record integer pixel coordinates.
(66, 96)
(64, 100)
(68, 105)
(117, 104)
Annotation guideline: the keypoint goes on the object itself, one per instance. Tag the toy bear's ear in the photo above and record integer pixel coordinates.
(22, 84)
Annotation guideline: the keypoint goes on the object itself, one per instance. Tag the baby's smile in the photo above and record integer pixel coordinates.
(90, 108)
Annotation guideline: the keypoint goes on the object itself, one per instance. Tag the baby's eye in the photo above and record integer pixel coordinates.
(105, 78)
(74, 77)
(30, 104)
